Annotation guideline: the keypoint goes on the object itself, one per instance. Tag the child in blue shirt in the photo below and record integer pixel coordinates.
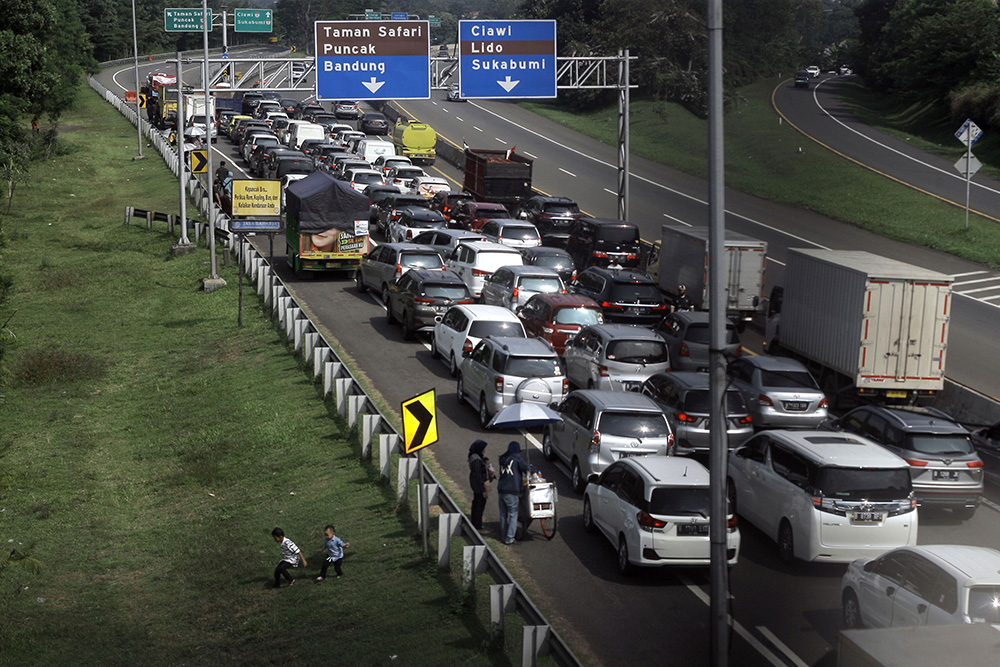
(334, 548)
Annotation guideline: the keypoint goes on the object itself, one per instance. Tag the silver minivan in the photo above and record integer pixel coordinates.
(512, 286)
(600, 427)
(615, 356)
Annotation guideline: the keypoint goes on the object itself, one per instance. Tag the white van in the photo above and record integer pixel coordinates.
(303, 131)
(824, 496)
(285, 132)
(371, 149)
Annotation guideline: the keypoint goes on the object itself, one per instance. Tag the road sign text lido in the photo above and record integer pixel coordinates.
(507, 58)
(372, 60)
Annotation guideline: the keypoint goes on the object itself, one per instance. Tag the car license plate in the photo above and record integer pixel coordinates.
(867, 517)
(692, 529)
(895, 394)
(945, 474)
(796, 405)
(626, 455)
(635, 310)
(629, 386)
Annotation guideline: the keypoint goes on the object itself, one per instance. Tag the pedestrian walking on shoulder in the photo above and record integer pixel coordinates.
(480, 480)
(334, 547)
(512, 471)
(290, 557)
(222, 172)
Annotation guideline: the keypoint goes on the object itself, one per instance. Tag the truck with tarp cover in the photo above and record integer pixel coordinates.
(326, 224)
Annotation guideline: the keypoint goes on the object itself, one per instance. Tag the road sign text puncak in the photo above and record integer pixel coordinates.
(372, 60)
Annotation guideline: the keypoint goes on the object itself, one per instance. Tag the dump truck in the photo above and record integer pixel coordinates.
(500, 176)
(681, 258)
(868, 327)
(326, 225)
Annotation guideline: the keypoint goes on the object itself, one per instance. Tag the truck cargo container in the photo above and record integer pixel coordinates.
(326, 224)
(681, 258)
(499, 176)
(867, 326)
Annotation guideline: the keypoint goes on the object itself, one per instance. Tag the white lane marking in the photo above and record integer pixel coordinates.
(670, 217)
(460, 118)
(988, 298)
(533, 157)
(611, 192)
(980, 289)
(740, 630)
(796, 660)
(968, 273)
(889, 148)
(567, 172)
(776, 261)
(500, 140)
(992, 505)
(477, 129)
(434, 103)
(973, 282)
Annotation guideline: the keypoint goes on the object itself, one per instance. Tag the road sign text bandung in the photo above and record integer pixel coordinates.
(181, 19)
(372, 60)
(507, 59)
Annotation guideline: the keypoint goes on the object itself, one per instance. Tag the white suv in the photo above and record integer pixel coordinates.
(462, 327)
(823, 496)
(473, 261)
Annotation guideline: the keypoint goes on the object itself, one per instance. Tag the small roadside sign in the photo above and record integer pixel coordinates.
(969, 133)
(199, 161)
(257, 225)
(373, 16)
(968, 165)
(419, 422)
(143, 101)
(257, 198)
(183, 19)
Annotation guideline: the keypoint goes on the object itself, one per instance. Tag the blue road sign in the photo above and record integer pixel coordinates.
(399, 16)
(246, 225)
(373, 60)
(501, 59)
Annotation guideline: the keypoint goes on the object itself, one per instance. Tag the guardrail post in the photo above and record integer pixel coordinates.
(407, 471)
(501, 602)
(291, 316)
(368, 425)
(149, 220)
(128, 214)
(331, 370)
(341, 386)
(309, 345)
(321, 354)
(473, 563)
(535, 643)
(387, 444)
(449, 525)
(431, 499)
(299, 333)
(264, 283)
(355, 403)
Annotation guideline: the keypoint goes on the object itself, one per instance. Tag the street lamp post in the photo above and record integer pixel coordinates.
(135, 55)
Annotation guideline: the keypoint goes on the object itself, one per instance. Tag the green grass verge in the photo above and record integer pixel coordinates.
(148, 447)
(767, 158)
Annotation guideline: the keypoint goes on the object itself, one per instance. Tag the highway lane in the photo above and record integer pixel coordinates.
(573, 577)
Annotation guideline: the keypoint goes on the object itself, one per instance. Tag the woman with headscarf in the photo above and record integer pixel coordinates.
(479, 479)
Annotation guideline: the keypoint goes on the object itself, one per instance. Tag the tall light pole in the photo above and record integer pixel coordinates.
(213, 281)
(135, 55)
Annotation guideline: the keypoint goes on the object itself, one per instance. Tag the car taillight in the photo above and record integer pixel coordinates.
(745, 420)
(480, 272)
(498, 384)
(548, 330)
(565, 384)
(916, 463)
(599, 254)
(646, 522)
(421, 299)
(399, 270)
(409, 234)
(467, 346)
(686, 418)
(764, 400)
(466, 301)
(739, 352)
(632, 255)
(823, 404)
(685, 352)
(603, 370)
(595, 442)
(608, 304)
(514, 295)
(974, 464)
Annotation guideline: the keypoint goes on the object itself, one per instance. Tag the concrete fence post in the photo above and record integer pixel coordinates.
(309, 345)
(387, 444)
(407, 471)
(449, 525)
(321, 355)
(473, 563)
(301, 326)
(341, 387)
(369, 424)
(355, 404)
(501, 602)
(431, 492)
(331, 370)
(535, 643)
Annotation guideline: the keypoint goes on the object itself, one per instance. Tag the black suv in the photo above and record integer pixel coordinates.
(552, 216)
(944, 466)
(603, 242)
(626, 295)
(420, 295)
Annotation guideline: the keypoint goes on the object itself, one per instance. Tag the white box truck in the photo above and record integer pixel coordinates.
(681, 258)
(867, 326)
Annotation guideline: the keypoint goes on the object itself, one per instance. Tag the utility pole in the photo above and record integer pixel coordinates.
(213, 282)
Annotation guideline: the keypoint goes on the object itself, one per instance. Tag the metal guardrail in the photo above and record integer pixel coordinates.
(357, 408)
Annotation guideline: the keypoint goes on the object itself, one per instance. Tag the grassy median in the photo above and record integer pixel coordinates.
(148, 446)
(770, 159)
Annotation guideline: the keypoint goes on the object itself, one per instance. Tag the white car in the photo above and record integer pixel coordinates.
(428, 186)
(362, 178)
(940, 584)
(655, 512)
(287, 180)
(385, 163)
(474, 260)
(462, 327)
(402, 177)
(813, 71)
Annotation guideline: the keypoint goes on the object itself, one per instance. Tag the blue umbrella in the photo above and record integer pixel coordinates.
(524, 415)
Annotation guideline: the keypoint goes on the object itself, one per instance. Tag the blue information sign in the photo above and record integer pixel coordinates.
(501, 59)
(373, 60)
(399, 16)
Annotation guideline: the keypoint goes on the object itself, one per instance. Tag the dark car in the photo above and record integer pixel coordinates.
(388, 209)
(346, 109)
(802, 79)
(554, 258)
(324, 153)
(472, 215)
(552, 216)
(249, 103)
(374, 123)
(420, 295)
(603, 242)
(259, 163)
(290, 164)
(411, 221)
(626, 295)
(559, 317)
(310, 145)
(987, 442)
(288, 105)
(302, 109)
(687, 336)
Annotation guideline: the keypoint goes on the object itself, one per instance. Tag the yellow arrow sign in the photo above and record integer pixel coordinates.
(143, 101)
(199, 161)
(419, 422)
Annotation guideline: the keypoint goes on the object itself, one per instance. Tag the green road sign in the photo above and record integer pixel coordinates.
(435, 22)
(373, 16)
(253, 20)
(183, 19)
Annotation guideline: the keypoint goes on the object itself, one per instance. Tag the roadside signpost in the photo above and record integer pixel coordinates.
(253, 20)
(184, 19)
(968, 134)
(419, 431)
(373, 60)
(256, 207)
(507, 59)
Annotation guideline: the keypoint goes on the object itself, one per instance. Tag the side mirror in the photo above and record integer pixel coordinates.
(466, 353)
(592, 478)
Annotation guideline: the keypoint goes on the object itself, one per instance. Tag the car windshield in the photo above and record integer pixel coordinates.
(638, 351)
(680, 501)
(984, 604)
(553, 262)
(533, 367)
(365, 177)
(409, 173)
(699, 402)
(952, 444)
(484, 328)
(561, 209)
(873, 484)
(544, 284)
(619, 235)
(425, 224)
(519, 233)
(699, 333)
(428, 259)
(630, 292)
(490, 214)
(581, 316)
(640, 425)
(788, 380)
(445, 291)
